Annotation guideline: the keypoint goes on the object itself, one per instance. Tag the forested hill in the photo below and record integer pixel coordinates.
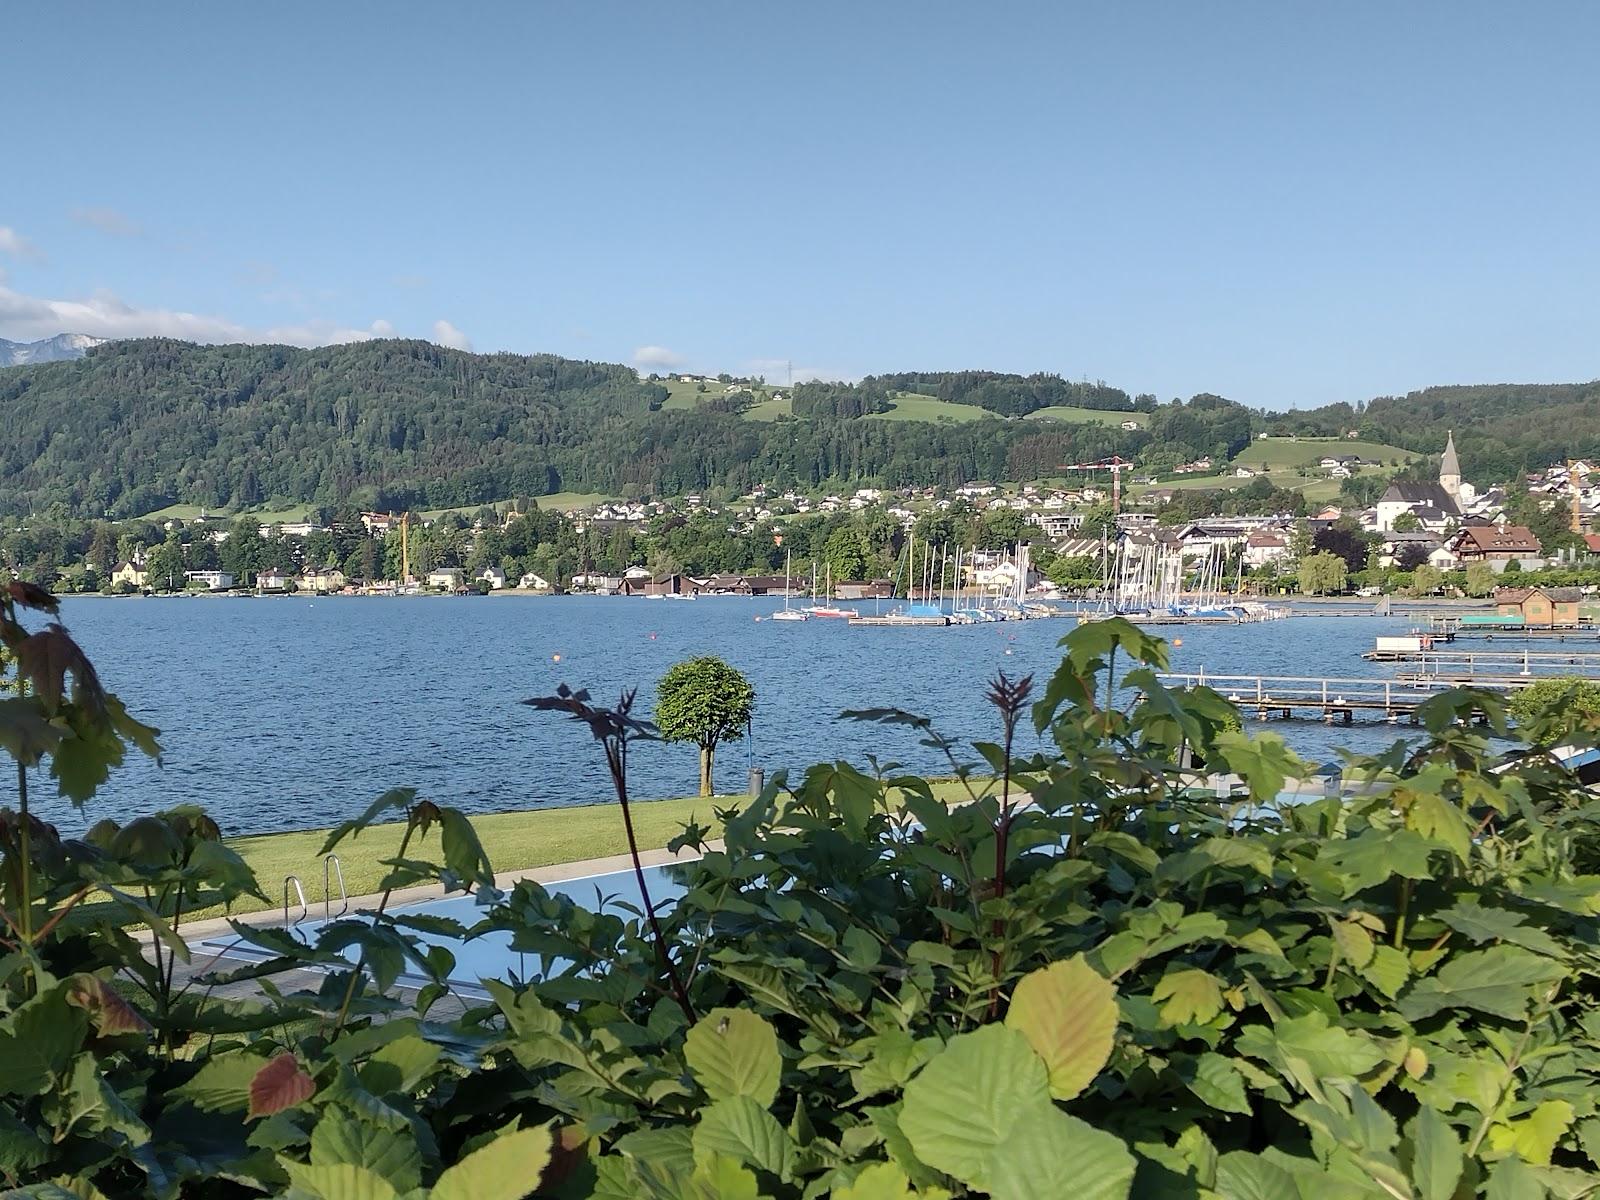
(1501, 429)
(134, 426)
(137, 425)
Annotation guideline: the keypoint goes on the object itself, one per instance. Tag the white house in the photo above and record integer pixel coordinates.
(535, 583)
(449, 578)
(1262, 549)
(322, 579)
(132, 574)
(274, 579)
(1130, 425)
(976, 488)
(494, 577)
(215, 581)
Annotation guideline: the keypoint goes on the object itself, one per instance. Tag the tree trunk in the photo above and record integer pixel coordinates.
(706, 756)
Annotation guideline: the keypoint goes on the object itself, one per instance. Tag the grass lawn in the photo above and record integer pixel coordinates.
(515, 841)
(265, 516)
(909, 406)
(1299, 452)
(770, 409)
(1082, 416)
(687, 395)
(554, 502)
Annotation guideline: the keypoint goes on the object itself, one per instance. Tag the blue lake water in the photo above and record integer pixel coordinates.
(294, 713)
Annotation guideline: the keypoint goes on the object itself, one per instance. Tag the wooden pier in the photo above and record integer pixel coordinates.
(1455, 661)
(1330, 698)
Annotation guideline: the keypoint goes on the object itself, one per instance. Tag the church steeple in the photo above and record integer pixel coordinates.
(1450, 467)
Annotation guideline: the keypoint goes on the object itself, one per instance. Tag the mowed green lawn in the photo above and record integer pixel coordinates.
(1300, 452)
(554, 502)
(770, 409)
(514, 841)
(1068, 414)
(266, 516)
(910, 406)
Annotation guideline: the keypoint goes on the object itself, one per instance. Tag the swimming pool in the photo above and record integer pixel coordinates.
(489, 956)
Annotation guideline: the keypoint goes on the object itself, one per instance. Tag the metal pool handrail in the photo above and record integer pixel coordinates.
(300, 891)
(331, 866)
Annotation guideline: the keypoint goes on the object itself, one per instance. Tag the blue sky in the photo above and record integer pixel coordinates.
(1288, 204)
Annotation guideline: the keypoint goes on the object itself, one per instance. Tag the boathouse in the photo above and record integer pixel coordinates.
(1547, 608)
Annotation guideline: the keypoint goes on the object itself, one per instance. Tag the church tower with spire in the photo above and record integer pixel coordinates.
(1450, 469)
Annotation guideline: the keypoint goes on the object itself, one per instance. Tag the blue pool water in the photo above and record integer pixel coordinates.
(489, 956)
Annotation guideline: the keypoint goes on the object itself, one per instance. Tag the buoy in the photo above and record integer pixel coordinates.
(652, 637)
(1177, 641)
(555, 658)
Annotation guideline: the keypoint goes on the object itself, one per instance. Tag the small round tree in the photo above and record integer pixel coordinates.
(707, 702)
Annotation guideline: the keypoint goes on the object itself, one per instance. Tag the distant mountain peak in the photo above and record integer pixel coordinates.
(60, 348)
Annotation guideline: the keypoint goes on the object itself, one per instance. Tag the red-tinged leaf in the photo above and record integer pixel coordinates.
(110, 1013)
(281, 1084)
(46, 658)
(31, 595)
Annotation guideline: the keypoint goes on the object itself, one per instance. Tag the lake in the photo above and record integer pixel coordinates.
(292, 713)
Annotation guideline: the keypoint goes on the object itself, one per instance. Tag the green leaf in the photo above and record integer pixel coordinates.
(25, 732)
(1052, 1154)
(222, 1084)
(985, 1097)
(1483, 924)
(1431, 815)
(719, 1177)
(1306, 1049)
(339, 1138)
(1500, 980)
(463, 852)
(336, 1181)
(87, 1106)
(400, 1065)
(734, 1052)
(1511, 1180)
(1535, 1136)
(1068, 1013)
(1242, 1176)
(747, 1132)
(1435, 1155)
(1188, 996)
(1355, 943)
(38, 1041)
(1388, 971)
(880, 1181)
(1218, 1083)
(508, 1168)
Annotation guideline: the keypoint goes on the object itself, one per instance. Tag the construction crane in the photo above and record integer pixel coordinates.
(1116, 465)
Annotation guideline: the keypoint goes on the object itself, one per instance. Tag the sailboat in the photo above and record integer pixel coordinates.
(827, 608)
(786, 613)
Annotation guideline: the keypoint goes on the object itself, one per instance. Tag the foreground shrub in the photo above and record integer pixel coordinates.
(1090, 980)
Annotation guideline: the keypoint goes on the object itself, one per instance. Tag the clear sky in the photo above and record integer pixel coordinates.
(1285, 203)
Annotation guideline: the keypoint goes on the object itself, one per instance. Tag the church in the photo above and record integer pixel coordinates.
(1435, 505)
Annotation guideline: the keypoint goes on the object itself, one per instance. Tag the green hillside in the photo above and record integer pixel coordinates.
(1072, 415)
(1302, 452)
(908, 406)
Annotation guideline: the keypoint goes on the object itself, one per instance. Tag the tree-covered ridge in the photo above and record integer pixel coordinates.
(137, 425)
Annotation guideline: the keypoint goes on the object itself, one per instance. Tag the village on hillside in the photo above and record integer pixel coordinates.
(1418, 531)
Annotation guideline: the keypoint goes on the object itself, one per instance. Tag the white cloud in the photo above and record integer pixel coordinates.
(657, 358)
(13, 243)
(104, 314)
(447, 334)
(107, 220)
